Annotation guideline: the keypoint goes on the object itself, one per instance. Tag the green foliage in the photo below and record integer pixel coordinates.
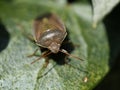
(16, 72)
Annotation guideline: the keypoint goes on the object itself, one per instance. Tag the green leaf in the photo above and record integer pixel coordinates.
(101, 8)
(16, 72)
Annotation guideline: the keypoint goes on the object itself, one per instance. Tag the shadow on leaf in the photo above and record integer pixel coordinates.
(4, 37)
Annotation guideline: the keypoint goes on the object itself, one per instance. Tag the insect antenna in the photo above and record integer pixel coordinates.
(25, 33)
(65, 52)
(43, 55)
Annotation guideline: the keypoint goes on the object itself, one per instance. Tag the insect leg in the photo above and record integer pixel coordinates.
(64, 51)
(30, 37)
(26, 34)
(44, 54)
(41, 74)
(46, 63)
(33, 53)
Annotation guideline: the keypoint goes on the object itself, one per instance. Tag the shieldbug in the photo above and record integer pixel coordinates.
(49, 32)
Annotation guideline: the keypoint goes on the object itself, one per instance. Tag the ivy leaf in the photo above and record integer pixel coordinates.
(16, 72)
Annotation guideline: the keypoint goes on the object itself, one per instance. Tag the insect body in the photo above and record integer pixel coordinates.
(49, 32)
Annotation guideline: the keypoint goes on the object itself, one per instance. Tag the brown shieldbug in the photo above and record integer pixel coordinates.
(49, 32)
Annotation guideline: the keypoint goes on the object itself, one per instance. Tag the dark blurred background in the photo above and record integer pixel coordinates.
(112, 24)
